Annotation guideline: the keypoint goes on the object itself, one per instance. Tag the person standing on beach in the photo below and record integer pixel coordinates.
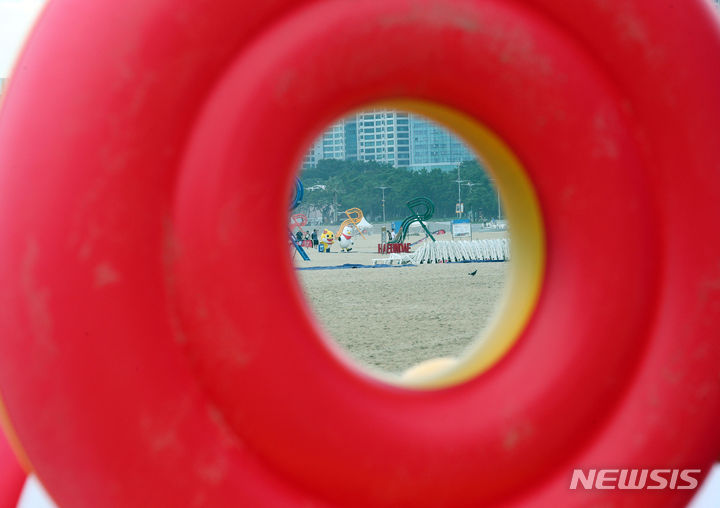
(314, 238)
(298, 237)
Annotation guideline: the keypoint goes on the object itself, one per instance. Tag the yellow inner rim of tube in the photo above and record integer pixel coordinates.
(6, 427)
(527, 266)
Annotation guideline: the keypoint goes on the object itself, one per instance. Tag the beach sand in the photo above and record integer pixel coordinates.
(393, 318)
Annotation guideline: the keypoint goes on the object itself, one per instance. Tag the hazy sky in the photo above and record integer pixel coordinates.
(16, 19)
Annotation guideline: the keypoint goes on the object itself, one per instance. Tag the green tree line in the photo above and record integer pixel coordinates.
(354, 184)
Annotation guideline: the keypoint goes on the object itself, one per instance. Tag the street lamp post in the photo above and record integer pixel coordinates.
(497, 191)
(335, 207)
(470, 185)
(383, 199)
(458, 208)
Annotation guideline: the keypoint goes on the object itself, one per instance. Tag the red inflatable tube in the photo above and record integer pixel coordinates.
(12, 476)
(147, 338)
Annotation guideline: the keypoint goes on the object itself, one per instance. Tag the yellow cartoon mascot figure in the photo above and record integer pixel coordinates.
(326, 240)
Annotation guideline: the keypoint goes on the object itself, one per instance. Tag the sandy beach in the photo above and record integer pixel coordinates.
(392, 318)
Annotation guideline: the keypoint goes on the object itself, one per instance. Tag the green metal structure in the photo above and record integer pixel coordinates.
(422, 209)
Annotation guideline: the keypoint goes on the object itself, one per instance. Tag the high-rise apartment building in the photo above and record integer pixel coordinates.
(383, 136)
(313, 154)
(351, 138)
(333, 141)
(433, 146)
(399, 138)
(339, 141)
